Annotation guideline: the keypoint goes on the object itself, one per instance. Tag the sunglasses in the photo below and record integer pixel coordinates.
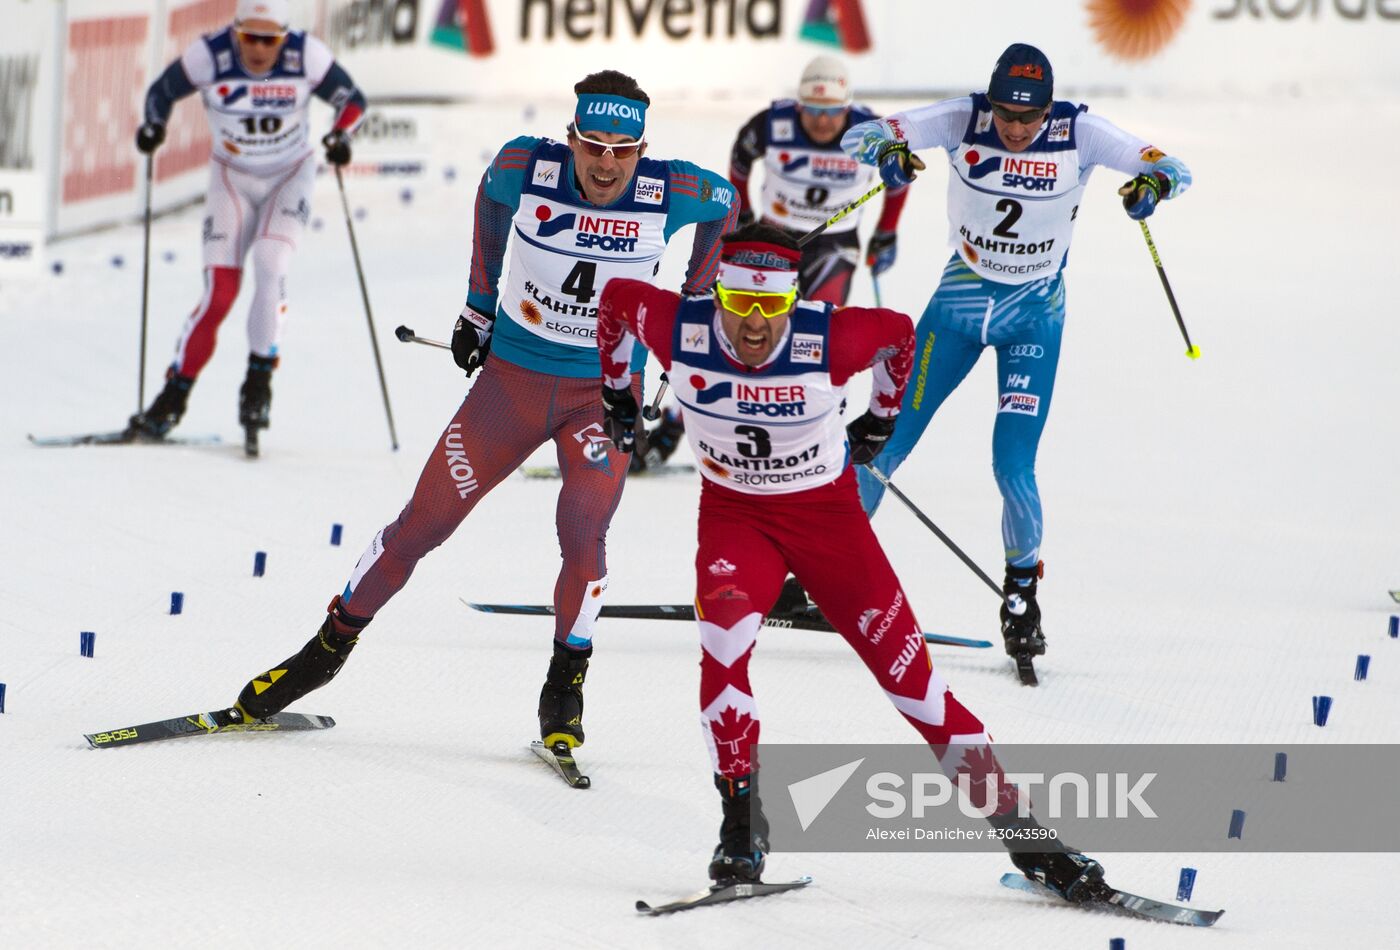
(618, 150)
(741, 303)
(1011, 115)
(827, 111)
(261, 39)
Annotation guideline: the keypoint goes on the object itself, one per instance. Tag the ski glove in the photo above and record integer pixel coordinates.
(149, 137)
(1167, 178)
(868, 435)
(337, 145)
(620, 417)
(1140, 196)
(898, 165)
(880, 252)
(471, 339)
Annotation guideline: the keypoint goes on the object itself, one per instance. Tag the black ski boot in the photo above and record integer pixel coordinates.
(1069, 873)
(1074, 876)
(743, 834)
(255, 399)
(314, 666)
(561, 699)
(1022, 631)
(165, 412)
(792, 599)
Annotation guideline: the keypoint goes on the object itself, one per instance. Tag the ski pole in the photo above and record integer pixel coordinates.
(364, 295)
(928, 523)
(875, 283)
(1191, 350)
(145, 290)
(653, 412)
(811, 235)
(406, 335)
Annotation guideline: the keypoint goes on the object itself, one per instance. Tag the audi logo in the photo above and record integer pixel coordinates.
(1033, 350)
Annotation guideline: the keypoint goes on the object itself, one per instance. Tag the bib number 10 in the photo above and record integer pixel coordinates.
(267, 124)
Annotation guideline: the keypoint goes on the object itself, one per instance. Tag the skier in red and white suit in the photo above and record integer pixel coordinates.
(762, 379)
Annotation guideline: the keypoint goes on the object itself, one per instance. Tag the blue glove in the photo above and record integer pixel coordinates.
(898, 165)
(1140, 196)
(880, 252)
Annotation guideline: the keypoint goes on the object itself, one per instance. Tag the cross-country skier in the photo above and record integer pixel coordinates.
(1019, 160)
(762, 376)
(256, 78)
(581, 213)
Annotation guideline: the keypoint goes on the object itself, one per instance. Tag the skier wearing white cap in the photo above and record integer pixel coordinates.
(256, 77)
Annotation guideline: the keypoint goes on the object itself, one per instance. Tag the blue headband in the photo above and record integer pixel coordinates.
(616, 114)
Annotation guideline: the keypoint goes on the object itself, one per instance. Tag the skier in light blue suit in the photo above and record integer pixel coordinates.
(1019, 162)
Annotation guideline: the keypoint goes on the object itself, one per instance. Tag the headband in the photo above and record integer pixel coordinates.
(615, 114)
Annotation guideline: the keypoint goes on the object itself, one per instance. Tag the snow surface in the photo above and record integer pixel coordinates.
(1219, 543)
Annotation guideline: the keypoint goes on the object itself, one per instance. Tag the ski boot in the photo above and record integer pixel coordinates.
(743, 834)
(165, 412)
(561, 698)
(1074, 876)
(1069, 873)
(314, 666)
(1021, 631)
(792, 599)
(255, 399)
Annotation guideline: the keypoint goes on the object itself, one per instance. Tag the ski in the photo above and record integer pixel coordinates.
(1025, 669)
(659, 471)
(204, 724)
(722, 894)
(120, 437)
(561, 758)
(1122, 902)
(1395, 596)
(811, 619)
(250, 442)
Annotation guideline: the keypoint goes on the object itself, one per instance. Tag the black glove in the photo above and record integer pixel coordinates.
(620, 417)
(149, 136)
(471, 339)
(337, 145)
(881, 251)
(868, 435)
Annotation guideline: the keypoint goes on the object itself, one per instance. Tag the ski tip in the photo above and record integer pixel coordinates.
(643, 907)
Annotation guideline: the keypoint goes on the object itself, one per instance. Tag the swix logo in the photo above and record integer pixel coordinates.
(713, 394)
(913, 646)
(463, 475)
(1017, 381)
(463, 25)
(231, 94)
(839, 23)
(722, 568)
(979, 168)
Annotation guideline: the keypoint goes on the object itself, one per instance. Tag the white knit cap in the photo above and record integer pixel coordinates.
(825, 78)
(275, 10)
